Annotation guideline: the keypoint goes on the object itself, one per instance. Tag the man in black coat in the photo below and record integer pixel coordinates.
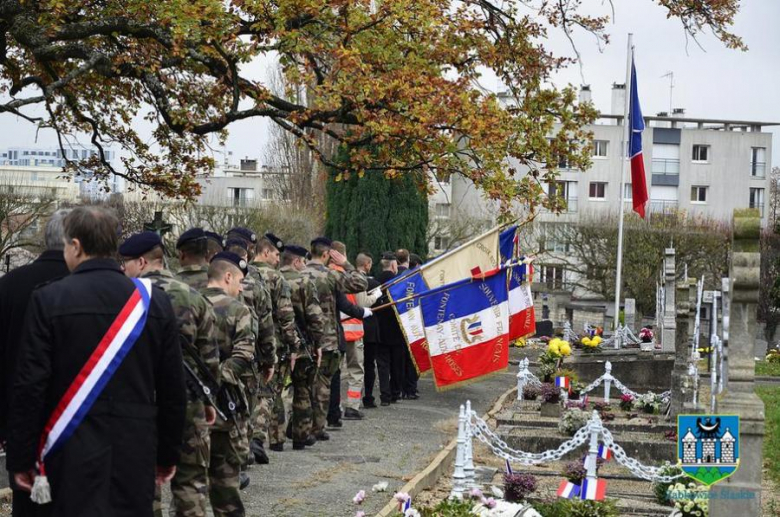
(371, 343)
(132, 433)
(390, 353)
(15, 290)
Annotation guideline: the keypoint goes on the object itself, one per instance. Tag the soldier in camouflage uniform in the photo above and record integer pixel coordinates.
(257, 296)
(328, 282)
(192, 248)
(310, 322)
(229, 444)
(143, 257)
(266, 261)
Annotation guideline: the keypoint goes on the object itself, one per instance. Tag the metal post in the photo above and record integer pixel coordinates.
(713, 371)
(468, 464)
(607, 380)
(458, 477)
(593, 449)
(522, 378)
(624, 151)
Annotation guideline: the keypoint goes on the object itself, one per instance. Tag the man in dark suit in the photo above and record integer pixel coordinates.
(107, 466)
(15, 290)
(390, 353)
(364, 262)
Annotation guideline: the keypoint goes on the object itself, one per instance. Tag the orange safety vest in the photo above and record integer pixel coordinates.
(353, 327)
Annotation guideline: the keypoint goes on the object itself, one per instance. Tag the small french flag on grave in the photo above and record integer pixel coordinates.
(595, 490)
(508, 468)
(407, 505)
(568, 489)
(605, 453)
(563, 382)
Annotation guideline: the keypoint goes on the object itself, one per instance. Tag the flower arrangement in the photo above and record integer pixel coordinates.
(591, 345)
(550, 393)
(552, 358)
(692, 500)
(487, 502)
(626, 402)
(646, 335)
(531, 392)
(518, 486)
(520, 343)
(572, 421)
(649, 403)
(661, 490)
(574, 471)
(773, 356)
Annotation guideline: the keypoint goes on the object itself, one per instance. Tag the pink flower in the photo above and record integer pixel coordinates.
(359, 497)
(360, 513)
(402, 497)
(476, 493)
(489, 503)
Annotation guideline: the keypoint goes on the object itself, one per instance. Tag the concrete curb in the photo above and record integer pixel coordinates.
(440, 464)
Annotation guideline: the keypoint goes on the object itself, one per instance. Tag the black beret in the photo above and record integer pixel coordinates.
(140, 243)
(276, 241)
(241, 243)
(322, 240)
(214, 236)
(389, 255)
(193, 234)
(296, 250)
(233, 259)
(244, 233)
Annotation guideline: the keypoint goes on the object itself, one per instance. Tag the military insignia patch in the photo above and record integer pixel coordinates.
(708, 446)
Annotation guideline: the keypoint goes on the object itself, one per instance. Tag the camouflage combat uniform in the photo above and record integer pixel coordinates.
(229, 444)
(287, 343)
(328, 281)
(257, 297)
(310, 321)
(194, 276)
(197, 332)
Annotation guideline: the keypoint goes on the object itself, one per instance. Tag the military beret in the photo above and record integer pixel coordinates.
(193, 234)
(296, 250)
(276, 241)
(233, 259)
(214, 236)
(244, 233)
(140, 243)
(241, 243)
(322, 240)
(389, 255)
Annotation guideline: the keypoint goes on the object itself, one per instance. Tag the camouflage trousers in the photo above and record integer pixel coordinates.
(270, 414)
(302, 414)
(321, 389)
(229, 448)
(253, 387)
(190, 484)
(261, 415)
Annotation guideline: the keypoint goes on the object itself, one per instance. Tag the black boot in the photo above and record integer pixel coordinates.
(243, 480)
(276, 447)
(258, 451)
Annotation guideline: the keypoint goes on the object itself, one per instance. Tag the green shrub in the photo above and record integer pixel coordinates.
(577, 508)
(448, 508)
(661, 489)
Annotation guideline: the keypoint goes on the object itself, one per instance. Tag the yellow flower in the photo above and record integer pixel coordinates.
(553, 348)
(597, 340)
(565, 348)
(586, 341)
(520, 343)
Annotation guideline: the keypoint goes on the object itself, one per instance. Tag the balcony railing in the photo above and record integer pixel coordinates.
(571, 205)
(662, 206)
(759, 206)
(758, 169)
(666, 166)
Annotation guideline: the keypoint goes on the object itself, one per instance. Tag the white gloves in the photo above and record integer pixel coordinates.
(367, 313)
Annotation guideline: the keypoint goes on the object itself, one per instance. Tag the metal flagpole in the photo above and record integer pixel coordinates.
(621, 209)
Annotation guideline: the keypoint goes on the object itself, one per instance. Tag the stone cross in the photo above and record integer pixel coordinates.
(158, 225)
(682, 388)
(668, 339)
(629, 313)
(739, 397)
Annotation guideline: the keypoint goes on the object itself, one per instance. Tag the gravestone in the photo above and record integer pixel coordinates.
(739, 397)
(629, 314)
(668, 338)
(682, 386)
(726, 307)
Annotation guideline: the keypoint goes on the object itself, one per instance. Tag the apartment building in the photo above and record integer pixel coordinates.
(245, 184)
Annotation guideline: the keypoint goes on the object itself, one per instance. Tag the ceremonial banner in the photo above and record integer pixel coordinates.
(410, 317)
(522, 319)
(467, 328)
(458, 264)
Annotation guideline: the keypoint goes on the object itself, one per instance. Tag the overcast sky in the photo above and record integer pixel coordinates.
(712, 83)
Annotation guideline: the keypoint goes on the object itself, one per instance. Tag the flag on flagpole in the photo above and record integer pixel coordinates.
(605, 452)
(467, 329)
(637, 124)
(522, 319)
(563, 383)
(568, 489)
(593, 489)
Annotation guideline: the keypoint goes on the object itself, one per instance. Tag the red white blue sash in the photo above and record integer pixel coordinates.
(96, 373)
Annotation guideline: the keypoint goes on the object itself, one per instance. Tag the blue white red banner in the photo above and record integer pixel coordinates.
(410, 317)
(467, 328)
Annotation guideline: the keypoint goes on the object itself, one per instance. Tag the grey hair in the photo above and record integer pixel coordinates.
(54, 232)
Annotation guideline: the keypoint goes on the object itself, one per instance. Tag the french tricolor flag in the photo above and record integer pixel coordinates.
(637, 124)
(568, 489)
(522, 319)
(410, 317)
(593, 489)
(563, 383)
(605, 452)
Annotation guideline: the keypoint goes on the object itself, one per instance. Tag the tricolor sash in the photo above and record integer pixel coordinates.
(92, 379)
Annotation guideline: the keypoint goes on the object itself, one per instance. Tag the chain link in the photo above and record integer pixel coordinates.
(639, 470)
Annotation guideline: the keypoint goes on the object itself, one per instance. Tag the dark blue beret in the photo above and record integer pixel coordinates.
(214, 236)
(245, 233)
(296, 250)
(241, 243)
(193, 234)
(322, 240)
(276, 241)
(389, 255)
(140, 243)
(233, 259)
